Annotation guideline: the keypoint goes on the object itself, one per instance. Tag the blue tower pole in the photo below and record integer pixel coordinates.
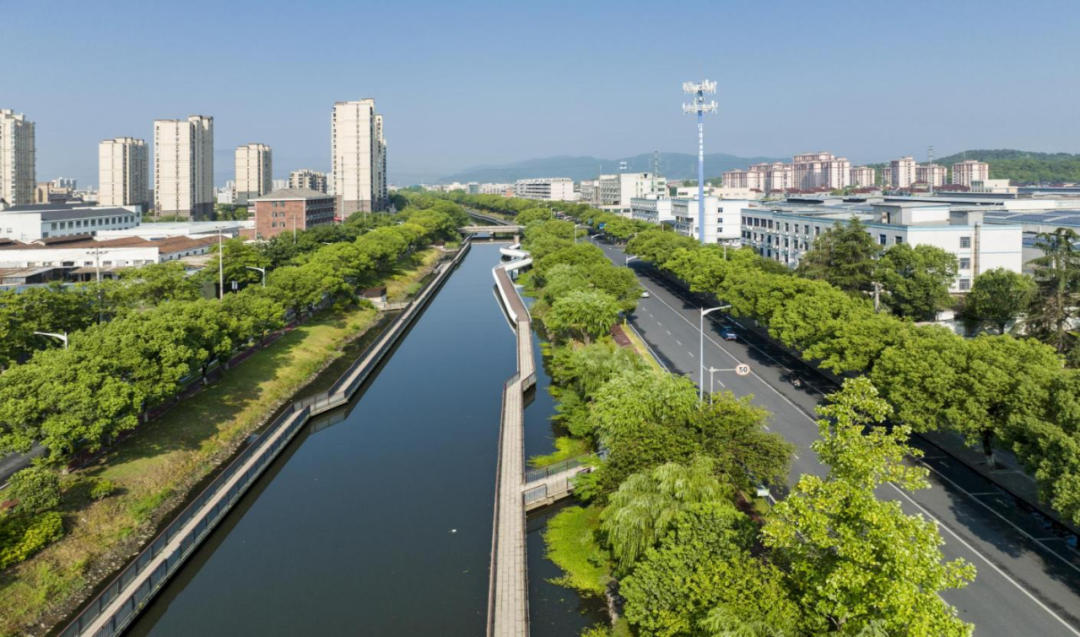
(701, 169)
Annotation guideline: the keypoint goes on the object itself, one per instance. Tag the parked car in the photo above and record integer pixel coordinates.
(645, 294)
(729, 334)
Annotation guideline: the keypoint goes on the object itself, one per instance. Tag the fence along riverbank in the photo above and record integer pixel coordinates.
(128, 593)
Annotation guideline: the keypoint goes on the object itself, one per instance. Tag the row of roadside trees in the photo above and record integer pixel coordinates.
(667, 526)
(137, 342)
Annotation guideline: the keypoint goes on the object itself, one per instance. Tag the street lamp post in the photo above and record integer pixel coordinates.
(263, 270)
(628, 260)
(62, 337)
(701, 349)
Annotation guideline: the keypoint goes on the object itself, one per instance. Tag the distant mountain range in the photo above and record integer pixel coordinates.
(672, 165)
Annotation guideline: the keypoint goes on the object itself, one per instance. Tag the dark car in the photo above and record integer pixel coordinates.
(729, 334)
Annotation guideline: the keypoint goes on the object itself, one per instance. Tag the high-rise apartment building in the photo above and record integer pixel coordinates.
(18, 164)
(184, 167)
(380, 180)
(124, 172)
(357, 156)
(968, 171)
(862, 177)
(932, 174)
(309, 179)
(254, 172)
(902, 172)
(820, 170)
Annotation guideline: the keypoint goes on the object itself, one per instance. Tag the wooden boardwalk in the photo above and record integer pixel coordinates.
(508, 595)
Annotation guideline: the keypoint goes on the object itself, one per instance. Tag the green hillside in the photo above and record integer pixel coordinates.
(1020, 165)
(1017, 165)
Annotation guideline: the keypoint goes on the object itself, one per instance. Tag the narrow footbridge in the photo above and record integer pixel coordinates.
(507, 229)
(517, 490)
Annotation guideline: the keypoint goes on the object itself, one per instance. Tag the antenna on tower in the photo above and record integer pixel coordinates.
(699, 107)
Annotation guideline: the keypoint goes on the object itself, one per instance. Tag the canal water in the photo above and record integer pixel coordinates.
(377, 519)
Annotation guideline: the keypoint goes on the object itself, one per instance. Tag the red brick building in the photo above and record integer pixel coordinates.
(291, 208)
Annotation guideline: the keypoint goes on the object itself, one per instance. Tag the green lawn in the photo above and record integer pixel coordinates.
(571, 544)
(166, 458)
(566, 447)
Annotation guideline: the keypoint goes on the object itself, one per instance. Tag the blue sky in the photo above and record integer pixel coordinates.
(466, 83)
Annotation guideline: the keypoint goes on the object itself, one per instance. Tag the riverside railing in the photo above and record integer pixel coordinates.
(168, 551)
(532, 475)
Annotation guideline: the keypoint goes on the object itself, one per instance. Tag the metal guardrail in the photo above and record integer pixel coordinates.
(265, 449)
(532, 475)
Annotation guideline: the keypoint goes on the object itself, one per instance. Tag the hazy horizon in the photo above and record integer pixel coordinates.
(473, 84)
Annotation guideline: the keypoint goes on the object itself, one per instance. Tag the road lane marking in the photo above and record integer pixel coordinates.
(677, 340)
(971, 548)
(1005, 519)
(919, 506)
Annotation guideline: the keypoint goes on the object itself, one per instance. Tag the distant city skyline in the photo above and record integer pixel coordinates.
(497, 84)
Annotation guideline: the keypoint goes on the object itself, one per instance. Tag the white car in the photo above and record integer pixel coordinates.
(645, 294)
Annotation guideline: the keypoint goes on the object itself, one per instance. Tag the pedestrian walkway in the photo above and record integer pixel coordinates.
(508, 596)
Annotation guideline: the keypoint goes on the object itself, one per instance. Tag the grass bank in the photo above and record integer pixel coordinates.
(157, 467)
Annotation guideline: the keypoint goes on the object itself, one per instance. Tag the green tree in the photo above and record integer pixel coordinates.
(1002, 379)
(916, 280)
(702, 569)
(36, 489)
(730, 430)
(844, 256)
(583, 314)
(1057, 274)
(851, 559)
(997, 297)
(647, 504)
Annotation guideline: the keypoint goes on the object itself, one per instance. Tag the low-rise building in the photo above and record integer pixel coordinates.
(723, 219)
(42, 221)
(654, 210)
(546, 189)
(82, 254)
(616, 191)
(784, 232)
(292, 209)
(191, 229)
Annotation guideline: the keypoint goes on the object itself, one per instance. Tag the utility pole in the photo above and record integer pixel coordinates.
(930, 169)
(699, 107)
(221, 266)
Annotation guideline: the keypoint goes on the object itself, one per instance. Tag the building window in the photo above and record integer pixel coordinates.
(965, 242)
(899, 240)
(965, 284)
(817, 230)
(882, 239)
(965, 263)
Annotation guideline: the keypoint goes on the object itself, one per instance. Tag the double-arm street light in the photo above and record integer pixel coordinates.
(701, 349)
(62, 337)
(263, 270)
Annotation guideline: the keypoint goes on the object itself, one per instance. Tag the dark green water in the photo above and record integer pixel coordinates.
(377, 519)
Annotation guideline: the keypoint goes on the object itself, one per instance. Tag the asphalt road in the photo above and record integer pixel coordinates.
(1028, 580)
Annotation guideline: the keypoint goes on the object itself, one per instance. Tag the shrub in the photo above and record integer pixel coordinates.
(22, 536)
(36, 489)
(102, 489)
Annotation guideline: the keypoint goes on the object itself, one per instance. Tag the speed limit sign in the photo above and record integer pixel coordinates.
(742, 369)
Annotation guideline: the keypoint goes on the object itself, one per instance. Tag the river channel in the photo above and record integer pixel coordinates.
(377, 519)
